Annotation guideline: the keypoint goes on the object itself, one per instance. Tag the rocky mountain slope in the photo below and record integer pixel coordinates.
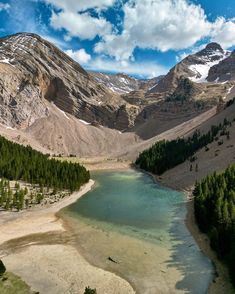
(216, 157)
(117, 83)
(223, 71)
(32, 70)
(197, 83)
(210, 72)
(122, 84)
(62, 133)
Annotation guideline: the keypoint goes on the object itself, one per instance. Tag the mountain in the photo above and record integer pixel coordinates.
(49, 101)
(32, 70)
(117, 83)
(186, 91)
(196, 67)
(122, 84)
(160, 99)
(148, 84)
(202, 61)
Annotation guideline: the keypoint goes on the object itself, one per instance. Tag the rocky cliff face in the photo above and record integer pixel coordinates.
(32, 69)
(20, 100)
(223, 71)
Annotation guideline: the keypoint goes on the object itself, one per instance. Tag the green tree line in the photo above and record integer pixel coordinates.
(18, 162)
(165, 155)
(215, 213)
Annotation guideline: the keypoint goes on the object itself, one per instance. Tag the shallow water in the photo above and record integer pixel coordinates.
(140, 225)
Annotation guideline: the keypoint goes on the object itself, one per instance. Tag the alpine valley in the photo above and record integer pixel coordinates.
(129, 234)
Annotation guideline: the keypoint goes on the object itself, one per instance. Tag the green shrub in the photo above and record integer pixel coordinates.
(2, 268)
(88, 290)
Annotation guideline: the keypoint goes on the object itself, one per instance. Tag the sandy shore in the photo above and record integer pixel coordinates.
(39, 220)
(57, 268)
(99, 163)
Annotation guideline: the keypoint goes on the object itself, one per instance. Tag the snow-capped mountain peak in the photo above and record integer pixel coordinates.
(212, 55)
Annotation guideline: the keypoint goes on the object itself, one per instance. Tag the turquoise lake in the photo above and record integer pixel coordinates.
(139, 224)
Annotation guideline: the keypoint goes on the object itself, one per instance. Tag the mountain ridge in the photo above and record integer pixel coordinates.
(195, 67)
(122, 83)
(45, 96)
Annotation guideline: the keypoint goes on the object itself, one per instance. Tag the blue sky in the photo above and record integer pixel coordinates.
(144, 38)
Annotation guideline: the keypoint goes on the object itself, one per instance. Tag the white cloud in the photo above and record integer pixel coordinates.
(223, 32)
(81, 56)
(164, 25)
(143, 69)
(119, 46)
(156, 24)
(78, 22)
(4, 6)
(81, 5)
(147, 24)
(82, 25)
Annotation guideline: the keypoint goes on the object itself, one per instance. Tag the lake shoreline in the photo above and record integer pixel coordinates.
(172, 278)
(57, 224)
(35, 257)
(221, 281)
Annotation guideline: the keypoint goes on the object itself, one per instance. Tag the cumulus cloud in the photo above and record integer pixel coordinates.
(77, 21)
(223, 32)
(156, 24)
(4, 6)
(82, 25)
(81, 56)
(164, 25)
(81, 5)
(146, 24)
(119, 46)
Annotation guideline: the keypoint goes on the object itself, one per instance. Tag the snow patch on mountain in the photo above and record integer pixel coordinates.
(201, 69)
(60, 110)
(230, 89)
(5, 60)
(84, 122)
(149, 89)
